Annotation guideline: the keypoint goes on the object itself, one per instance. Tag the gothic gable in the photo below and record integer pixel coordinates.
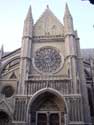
(13, 76)
(48, 24)
(5, 107)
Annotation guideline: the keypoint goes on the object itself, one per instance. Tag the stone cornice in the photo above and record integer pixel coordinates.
(11, 80)
(53, 77)
(48, 38)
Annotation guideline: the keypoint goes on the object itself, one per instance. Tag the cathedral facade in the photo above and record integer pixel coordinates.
(49, 80)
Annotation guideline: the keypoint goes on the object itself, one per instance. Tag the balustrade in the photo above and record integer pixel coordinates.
(63, 86)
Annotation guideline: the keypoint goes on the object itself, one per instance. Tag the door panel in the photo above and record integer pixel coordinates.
(54, 119)
(42, 119)
(48, 118)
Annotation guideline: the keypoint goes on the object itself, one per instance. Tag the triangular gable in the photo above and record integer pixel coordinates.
(5, 107)
(48, 25)
(13, 76)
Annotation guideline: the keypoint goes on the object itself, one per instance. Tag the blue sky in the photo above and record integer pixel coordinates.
(13, 13)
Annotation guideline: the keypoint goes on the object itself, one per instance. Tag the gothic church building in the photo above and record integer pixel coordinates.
(49, 80)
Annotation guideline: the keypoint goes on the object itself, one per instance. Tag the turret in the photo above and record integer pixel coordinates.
(69, 33)
(26, 51)
(27, 35)
(70, 45)
(68, 21)
(76, 63)
(28, 24)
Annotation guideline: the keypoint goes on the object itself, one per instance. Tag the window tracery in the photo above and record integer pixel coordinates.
(47, 60)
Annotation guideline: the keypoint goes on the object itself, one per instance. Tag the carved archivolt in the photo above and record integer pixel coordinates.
(48, 93)
(47, 100)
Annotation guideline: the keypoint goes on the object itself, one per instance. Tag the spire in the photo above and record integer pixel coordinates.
(28, 24)
(26, 51)
(29, 14)
(68, 21)
(67, 12)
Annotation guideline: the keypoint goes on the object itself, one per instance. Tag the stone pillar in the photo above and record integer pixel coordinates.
(86, 109)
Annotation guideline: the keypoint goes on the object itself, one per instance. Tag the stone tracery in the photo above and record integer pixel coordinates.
(47, 60)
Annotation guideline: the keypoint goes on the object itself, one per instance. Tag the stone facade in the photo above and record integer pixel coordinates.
(47, 81)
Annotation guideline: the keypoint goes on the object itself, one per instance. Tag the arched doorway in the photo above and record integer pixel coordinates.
(4, 118)
(47, 107)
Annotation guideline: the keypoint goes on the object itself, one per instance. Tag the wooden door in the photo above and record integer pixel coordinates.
(42, 119)
(54, 119)
(48, 118)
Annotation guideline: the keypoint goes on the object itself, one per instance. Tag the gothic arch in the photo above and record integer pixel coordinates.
(6, 108)
(40, 97)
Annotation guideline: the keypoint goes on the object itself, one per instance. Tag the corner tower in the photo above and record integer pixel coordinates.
(68, 21)
(75, 62)
(26, 50)
(70, 46)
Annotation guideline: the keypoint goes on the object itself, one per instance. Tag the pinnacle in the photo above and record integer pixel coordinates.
(29, 14)
(67, 12)
(28, 23)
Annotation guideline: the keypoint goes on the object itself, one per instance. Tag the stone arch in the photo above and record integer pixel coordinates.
(43, 98)
(9, 61)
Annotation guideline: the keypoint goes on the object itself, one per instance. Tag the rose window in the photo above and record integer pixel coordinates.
(47, 60)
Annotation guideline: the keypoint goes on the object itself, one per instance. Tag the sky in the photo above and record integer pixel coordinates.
(13, 13)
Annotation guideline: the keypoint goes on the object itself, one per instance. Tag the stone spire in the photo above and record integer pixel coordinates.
(67, 12)
(70, 46)
(26, 51)
(68, 21)
(28, 24)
